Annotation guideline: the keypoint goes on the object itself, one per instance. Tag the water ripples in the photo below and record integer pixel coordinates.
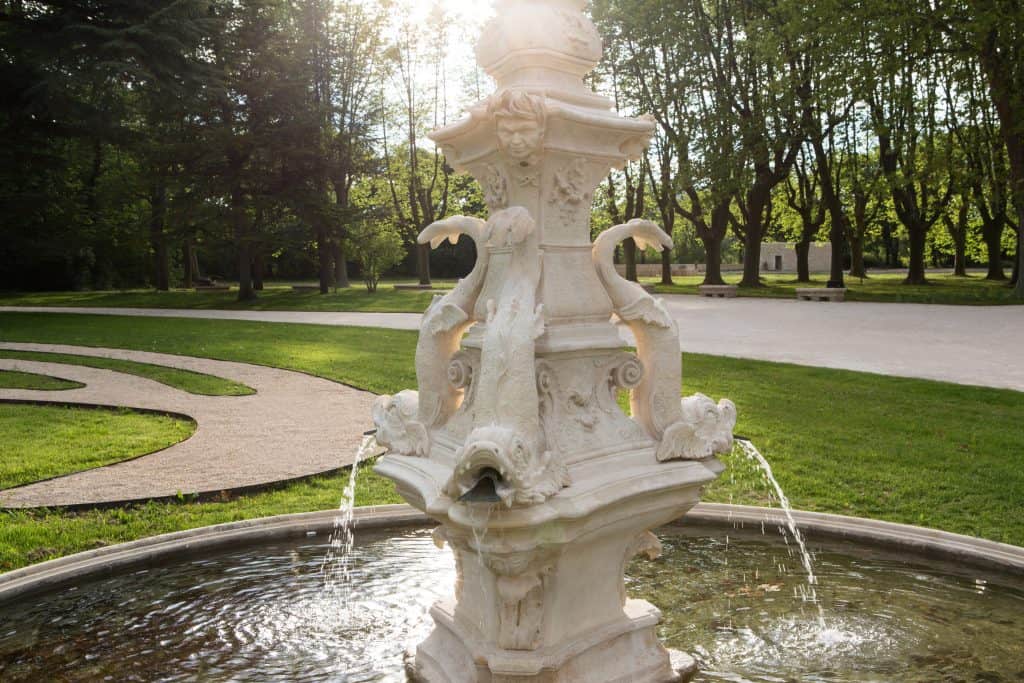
(260, 614)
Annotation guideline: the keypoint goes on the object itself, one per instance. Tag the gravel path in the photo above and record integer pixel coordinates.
(977, 345)
(294, 426)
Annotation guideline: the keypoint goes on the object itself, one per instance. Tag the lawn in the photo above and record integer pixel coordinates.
(881, 287)
(185, 380)
(11, 379)
(386, 299)
(913, 451)
(41, 442)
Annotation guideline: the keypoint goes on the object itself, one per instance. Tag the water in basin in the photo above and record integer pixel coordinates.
(737, 603)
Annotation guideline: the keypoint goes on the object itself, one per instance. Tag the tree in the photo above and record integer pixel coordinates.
(806, 201)
(358, 48)
(756, 67)
(862, 176)
(661, 47)
(420, 195)
(902, 96)
(974, 125)
(377, 247)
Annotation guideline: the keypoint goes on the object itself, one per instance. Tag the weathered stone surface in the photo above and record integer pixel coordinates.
(821, 294)
(543, 486)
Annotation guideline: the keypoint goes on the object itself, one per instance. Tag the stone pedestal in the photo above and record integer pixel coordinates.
(539, 595)
(543, 486)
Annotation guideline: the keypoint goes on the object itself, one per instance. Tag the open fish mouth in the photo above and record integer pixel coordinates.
(488, 469)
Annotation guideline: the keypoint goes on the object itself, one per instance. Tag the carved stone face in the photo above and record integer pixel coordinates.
(520, 138)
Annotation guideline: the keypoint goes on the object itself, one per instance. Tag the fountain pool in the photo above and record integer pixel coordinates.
(732, 597)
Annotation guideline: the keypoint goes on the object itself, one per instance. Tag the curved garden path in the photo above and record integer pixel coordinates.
(295, 425)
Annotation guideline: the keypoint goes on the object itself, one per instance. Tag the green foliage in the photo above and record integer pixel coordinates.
(378, 248)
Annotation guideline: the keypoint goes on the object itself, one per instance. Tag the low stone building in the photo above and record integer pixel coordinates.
(779, 257)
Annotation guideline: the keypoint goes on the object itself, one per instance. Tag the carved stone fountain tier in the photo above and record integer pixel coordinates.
(544, 487)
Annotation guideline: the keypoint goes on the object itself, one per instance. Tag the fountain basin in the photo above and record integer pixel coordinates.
(206, 598)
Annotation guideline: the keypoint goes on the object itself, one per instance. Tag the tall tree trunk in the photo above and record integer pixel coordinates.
(712, 238)
(629, 249)
(918, 237)
(992, 235)
(957, 229)
(423, 264)
(752, 256)
(837, 236)
(158, 237)
(838, 231)
(960, 258)
(243, 245)
(666, 266)
(803, 268)
(188, 275)
(324, 257)
(258, 269)
(340, 266)
(713, 258)
(857, 267)
(1017, 281)
(757, 202)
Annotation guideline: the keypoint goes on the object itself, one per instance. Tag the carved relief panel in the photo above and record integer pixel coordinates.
(579, 403)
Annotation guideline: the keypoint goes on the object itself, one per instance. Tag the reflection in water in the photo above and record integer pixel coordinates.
(257, 615)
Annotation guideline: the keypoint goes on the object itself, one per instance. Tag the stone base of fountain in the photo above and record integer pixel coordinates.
(445, 657)
(539, 594)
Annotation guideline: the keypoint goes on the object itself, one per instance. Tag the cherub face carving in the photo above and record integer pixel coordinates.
(520, 120)
(520, 138)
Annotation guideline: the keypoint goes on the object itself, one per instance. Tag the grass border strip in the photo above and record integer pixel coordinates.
(94, 406)
(126, 368)
(74, 384)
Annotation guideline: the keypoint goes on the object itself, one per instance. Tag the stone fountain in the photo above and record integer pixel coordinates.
(515, 442)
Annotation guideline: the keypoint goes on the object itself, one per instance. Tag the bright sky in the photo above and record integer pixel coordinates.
(467, 18)
(471, 11)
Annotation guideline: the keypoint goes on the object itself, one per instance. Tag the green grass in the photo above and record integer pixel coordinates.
(12, 379)
(36, 536)
(881, 288)
(185, 380)
(274, 298)
(40, 442)
(912, 451)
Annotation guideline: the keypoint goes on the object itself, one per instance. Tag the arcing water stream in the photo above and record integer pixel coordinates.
(336, 567)
(750, 450)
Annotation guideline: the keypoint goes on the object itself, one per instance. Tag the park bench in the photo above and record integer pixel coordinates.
(821, 294)
(720, 291)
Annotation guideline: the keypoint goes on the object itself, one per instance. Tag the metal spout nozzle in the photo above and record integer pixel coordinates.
(485, 490)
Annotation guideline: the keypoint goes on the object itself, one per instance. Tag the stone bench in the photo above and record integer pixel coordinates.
(213, 288)
(720, 291)
(822, 294)
(306, 288)
(417, 287)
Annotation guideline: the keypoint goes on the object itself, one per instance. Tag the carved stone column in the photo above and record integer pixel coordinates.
(516, 443)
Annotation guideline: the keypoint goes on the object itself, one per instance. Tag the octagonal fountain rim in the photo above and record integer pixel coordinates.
(903, 541)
